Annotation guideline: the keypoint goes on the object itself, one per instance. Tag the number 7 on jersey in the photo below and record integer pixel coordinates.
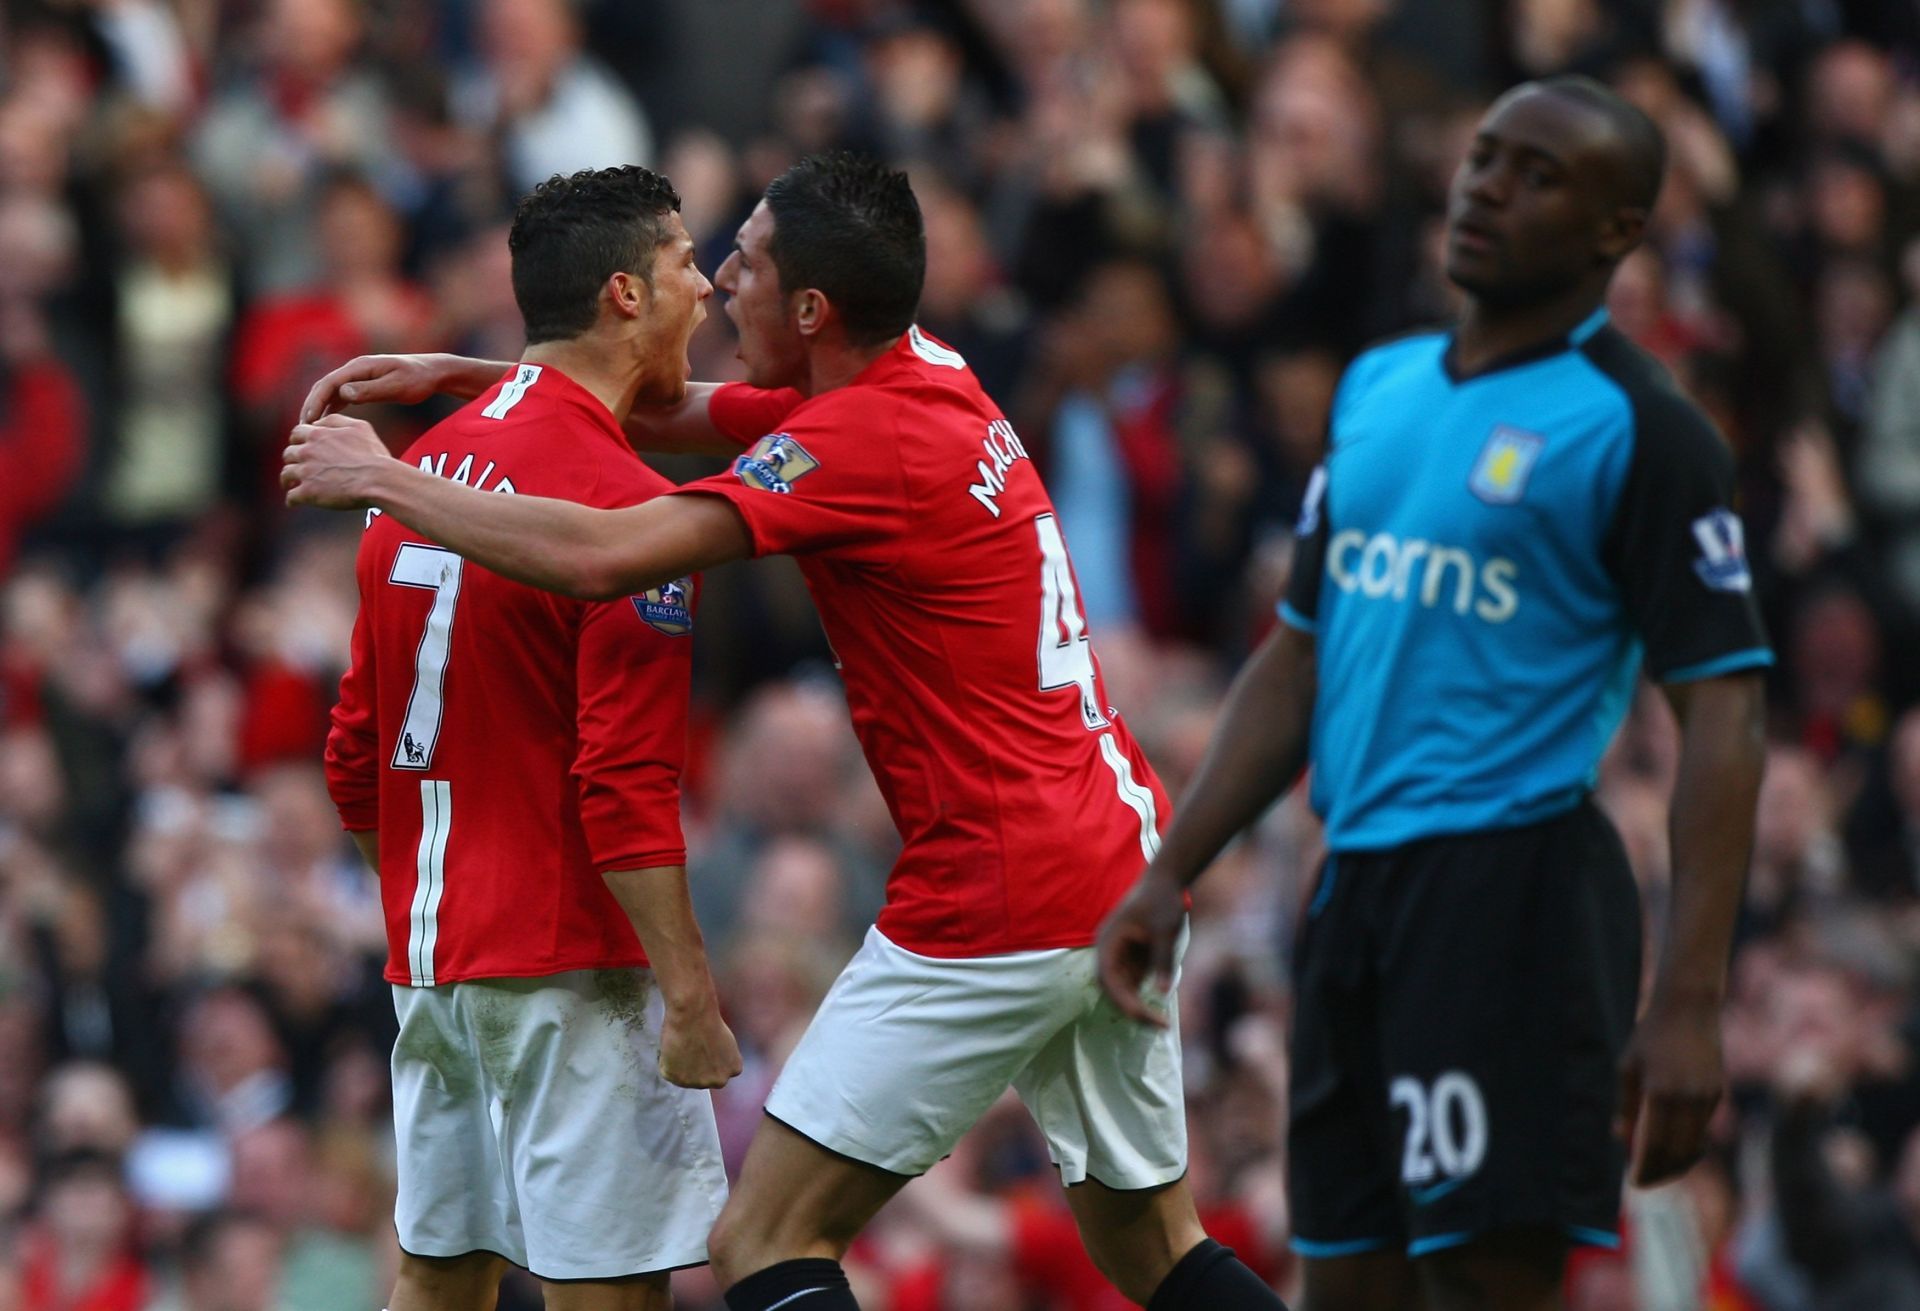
(437, 570)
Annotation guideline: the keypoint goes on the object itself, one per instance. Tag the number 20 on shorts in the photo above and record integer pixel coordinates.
(1446, 1127)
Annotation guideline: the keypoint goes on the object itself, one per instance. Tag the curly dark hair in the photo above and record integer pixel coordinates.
(849, 227)
(572, 233)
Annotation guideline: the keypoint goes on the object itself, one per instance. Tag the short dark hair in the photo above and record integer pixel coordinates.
(850, 227)
(573, 233)
(1644, 144)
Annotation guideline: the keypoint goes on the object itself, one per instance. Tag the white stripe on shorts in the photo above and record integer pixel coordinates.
(430, 881)
(1139, 799)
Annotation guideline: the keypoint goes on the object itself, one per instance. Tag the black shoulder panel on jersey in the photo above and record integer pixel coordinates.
(1309, 549)
(1675, 547)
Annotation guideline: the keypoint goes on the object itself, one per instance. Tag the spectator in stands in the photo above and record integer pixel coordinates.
(233, 1075)
(359, 301)
(554, 107)
(1113, 459)
(1888, 469)
(1843, 1227)
(229, 1261)
(174, 313)
(299, 107)
(43, 417)
(82, 1249)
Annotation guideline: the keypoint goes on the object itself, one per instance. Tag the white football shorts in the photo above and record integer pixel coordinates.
(532, 1121)
(908, 1051)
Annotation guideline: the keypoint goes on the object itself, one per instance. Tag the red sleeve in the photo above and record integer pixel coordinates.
(353, 741)
(44, 437)
(830, 481)
(633, 674)
(744, 413)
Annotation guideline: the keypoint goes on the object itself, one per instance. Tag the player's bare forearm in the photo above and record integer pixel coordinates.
(658, 906)
(1258, 749)
(338, 463)
(550, 544)
(1672, 1075)
(561, 547)
(399, 380)
(697, 1050)
(463, 377)
(368, 841)
(683, 428)
(1722, 754)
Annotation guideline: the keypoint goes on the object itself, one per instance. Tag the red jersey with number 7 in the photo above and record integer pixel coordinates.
(510, 745)
(941, 576)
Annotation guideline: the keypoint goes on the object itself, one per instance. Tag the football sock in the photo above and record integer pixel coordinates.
(1212, 1278)
(810, 1284)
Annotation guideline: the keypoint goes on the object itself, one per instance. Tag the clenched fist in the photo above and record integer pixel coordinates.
(333, 463)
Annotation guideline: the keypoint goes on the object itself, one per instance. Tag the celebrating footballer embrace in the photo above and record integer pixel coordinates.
(867, 450)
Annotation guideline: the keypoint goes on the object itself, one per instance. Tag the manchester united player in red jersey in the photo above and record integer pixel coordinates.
(942, 578)
(509, 761)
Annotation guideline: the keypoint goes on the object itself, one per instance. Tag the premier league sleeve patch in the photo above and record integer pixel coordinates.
(774, 464)
(668, 607)
(1722, 563)
(1506, 462)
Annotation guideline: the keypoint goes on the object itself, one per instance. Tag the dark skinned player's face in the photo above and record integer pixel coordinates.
(1536, 206)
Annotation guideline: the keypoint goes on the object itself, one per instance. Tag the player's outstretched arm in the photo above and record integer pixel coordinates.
(399, 380)
(683, 428)
(1257, 751)
(337, 463)
(697, 1049)
(1671, 1077)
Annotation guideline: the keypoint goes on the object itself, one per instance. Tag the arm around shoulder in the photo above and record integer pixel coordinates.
(340, 464)
(399, 380)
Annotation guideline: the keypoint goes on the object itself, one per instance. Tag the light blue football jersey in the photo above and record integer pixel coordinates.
(1484, 561)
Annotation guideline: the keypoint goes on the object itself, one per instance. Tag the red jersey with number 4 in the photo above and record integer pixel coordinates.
(942, 579)
(509, 744)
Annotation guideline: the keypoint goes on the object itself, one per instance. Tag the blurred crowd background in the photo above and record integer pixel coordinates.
(1157, 229)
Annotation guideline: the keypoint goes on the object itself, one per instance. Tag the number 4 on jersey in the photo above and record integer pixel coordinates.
(1066, 657)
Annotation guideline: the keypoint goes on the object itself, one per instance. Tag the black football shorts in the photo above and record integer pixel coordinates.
(1462, 1004)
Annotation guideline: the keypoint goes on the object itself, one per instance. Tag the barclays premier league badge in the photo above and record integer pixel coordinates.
(1722, 564)
(1506, 461)
(668, 607)
(775, 463)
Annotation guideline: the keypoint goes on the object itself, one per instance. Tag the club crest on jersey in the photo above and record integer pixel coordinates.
(1506, 462)
(668, 607)
(1723, 552)
(775, 463)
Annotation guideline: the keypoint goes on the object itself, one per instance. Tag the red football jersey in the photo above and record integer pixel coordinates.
(942, 578)
(510, 744)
